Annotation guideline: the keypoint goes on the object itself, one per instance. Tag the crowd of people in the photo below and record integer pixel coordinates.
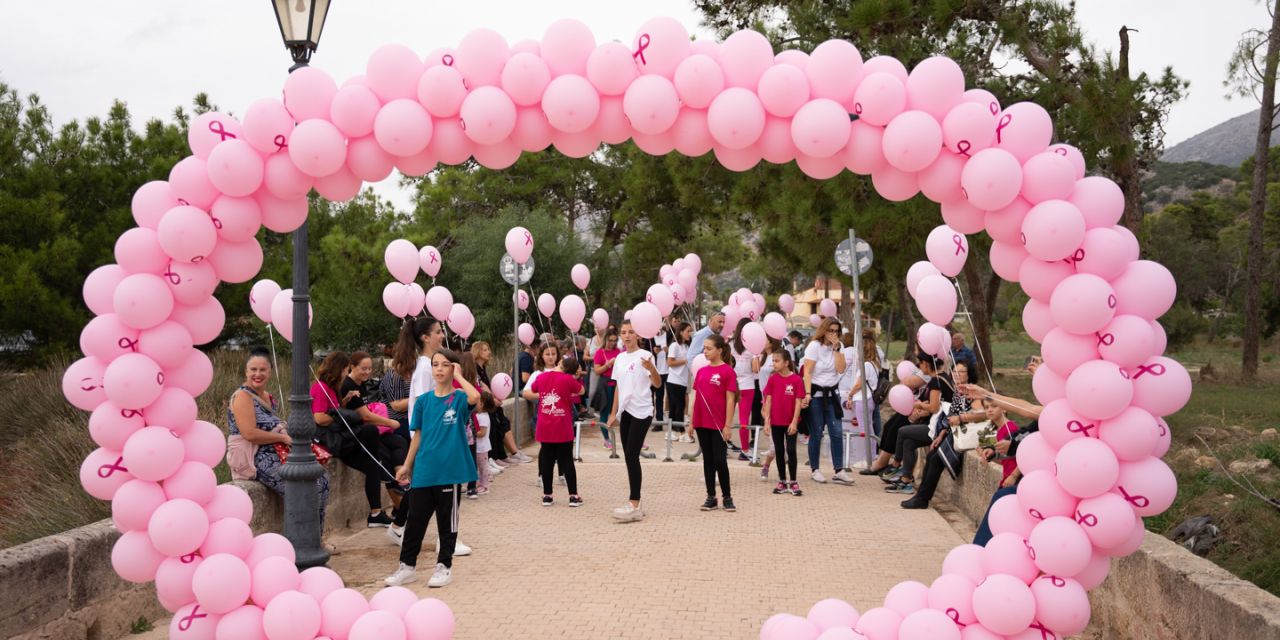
(431, 431)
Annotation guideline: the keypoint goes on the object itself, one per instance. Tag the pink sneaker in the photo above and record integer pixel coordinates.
(608, 445)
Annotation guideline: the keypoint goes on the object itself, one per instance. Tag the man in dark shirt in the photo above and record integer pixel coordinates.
(525, 365)
(964, 355)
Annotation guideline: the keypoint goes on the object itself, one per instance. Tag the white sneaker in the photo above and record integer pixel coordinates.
(441, 577)
(396, 534)
(459, 549)
(519, 455)
(628, 514)
(843, 477)
(685, 438)
(818, 477)
(494, 468)
(404, 575)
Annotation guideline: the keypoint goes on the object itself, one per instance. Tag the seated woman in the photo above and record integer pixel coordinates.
(256, 428)
(392, 447)
(361, 439)
(933, 464)
(962, 410)
(930, 394)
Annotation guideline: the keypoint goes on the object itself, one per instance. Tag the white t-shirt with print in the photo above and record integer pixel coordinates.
(660, 357)
(742, 369)
(635, 390)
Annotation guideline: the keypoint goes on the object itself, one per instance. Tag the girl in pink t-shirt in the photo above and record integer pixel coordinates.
(782, 395)
(555, 393)
(714, 392)
(1005, 428)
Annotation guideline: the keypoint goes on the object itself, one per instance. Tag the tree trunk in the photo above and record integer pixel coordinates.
(908, 319)
(981, 303)
(1258, 204)
(1124, 161)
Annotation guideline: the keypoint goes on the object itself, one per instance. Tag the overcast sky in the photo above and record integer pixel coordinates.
(157, 54)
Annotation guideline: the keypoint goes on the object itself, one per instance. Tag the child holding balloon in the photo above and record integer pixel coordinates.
(439, 462)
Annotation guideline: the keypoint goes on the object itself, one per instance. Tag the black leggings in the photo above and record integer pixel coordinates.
(911, 438)
(889, 435)
(714, 450)
(676, 396)
(551, 455)
(933, 468)
(784, 451)
(659, 393)
(442, 501)
(357, 459)
(632, 430)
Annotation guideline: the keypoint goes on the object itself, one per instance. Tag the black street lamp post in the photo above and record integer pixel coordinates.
(301, 22)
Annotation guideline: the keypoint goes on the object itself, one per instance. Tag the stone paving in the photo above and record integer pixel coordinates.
(559, 572)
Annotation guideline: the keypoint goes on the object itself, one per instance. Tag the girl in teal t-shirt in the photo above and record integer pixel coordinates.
(439, 461)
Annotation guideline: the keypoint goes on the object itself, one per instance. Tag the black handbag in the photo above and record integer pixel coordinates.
(951, 459)
(882, 387)
(336, 437)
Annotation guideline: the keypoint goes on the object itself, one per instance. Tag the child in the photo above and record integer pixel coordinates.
(555, 392)
(715, 390)
(782, 394)
(487, 404)
(436, 468)
(1005, 428)
(635, 376)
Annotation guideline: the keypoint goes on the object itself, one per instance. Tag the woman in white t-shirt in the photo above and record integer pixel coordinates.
(660, 344)
(635, 375)
(823, 365)
(851, 392)
(745, 367)
(678, 375)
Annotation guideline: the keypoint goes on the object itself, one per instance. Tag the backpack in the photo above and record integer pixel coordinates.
(882, 387)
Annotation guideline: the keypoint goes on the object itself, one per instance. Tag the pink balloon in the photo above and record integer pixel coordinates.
(912, 141)
(940, 182)
(965, 560)
(228, 535)
(133, 557)
(651, 104)
(1053, 230)
(901, 399)
(1036, 453)
(953, 593)
(571, 103)
(138, 251)
(401, 258)
(864, 154)
(367, 160)
(833, 69)
(236, 262)
(919, 271)
(783, 89)
(754, 338)
(266, 545)
(441, 91)
(280, 215)
(204, 443)
(832, 613)
(292, 615)
(1047, 385)
(1103, 253)
(1099, 390)
(786, 627)
(317, 148)
(1133, 434)
(1127, 341)
(947, 250)
(522, 300)
(1073, 156)
(395, 297)
(660, 45)
(820, 168)
(894, 184)
(1132, 543)
(992, 178)
(1083, 304)
(174, 409)
(936, 299)
(827, 308)
(600, 318)
(1039, 278)
(429, 619)
(268, 125)
(612, 127)
(1059, 546)
(1146, 289)
(1107, 519)
(153, 454)
(100, 285)
(1008, 515)
(189, 180)
(1096, 572)
(775, 325)
(235, 168)
(546, 304)
(340, 610)
(203, 624)
(745, 56)
(1086, 467)
(525, 332)
(208, 130)
(501, 385)
(319, 582)
(572, 312)
(1006, 260)
(489, 114)
(260, 297)
(933, 339)
(151, 201)
(284, 180)
(566, 46)
(1059, 424)
(103, 473)
(187, 234)
(272, 576)
(133, 381)
(661, 297)
(1024, 130)
(243, 622)
(736, 118)
(935, 86)
(1100, 200)
(481, 56)
(928, 624)
(194, 375)
(776, 145)
(585, 143)
(402, 127)
(392, 72)
(907, 597)
(173, 581)
(1005, 225)
(106, 337)
(1047, 176)
(880, 623)
(969, 127)
(610, 68)
(1004, 604)
(646, 319)
(879, 98)
(177, 528)
(786, 303)
(524, 78)
(1061, 605)
(110, 426)
(1162, 386)
(353, 110)
(1063, 351)
(885, 64)
(736, 159)
(308, 93)
(1043, 497)
(519, 243)
(821, 128)
(238, 219)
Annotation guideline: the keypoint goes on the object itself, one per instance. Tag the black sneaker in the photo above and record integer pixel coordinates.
(868, 472)
(379, 520)
(548, 501)
(710, 504)
(734, 447)
(744, 457)
(915, 503)
(728, 505)
(575, 501)
(472, 495)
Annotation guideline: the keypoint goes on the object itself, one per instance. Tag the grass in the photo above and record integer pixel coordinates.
(141, 625)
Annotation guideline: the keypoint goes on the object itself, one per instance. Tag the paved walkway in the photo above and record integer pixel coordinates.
(680, 573)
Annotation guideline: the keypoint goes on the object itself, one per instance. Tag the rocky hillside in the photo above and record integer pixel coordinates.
(1226, 144)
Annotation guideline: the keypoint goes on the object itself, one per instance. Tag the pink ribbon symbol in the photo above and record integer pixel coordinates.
(1075, 257)
(1060, 151)
(1056, 581)
(217, 127)
(462, 122)
(1156, 369)
(447, 60)
(183, 202)
(641, 45)
(1141, 502)
(434, 257)
(173, 278)
(1045, 634)
(1023, 237)
(959, 240)
(1031, 551)
(1004, 122)
(857, 108)
(160, 378)
(106, 470)
(126, 343)
(528, 239)
(217, 224)
(130, 413)
(190, 557)
(1111, 301)
(955, 617)
(90, 386)
(280, 143)
(185, 623)
(1105, 339)
(1075, 426)
(994, 107)
(1083, 519)
(963, 147)
(197, 259)
(1035, 513)
(1163, 429)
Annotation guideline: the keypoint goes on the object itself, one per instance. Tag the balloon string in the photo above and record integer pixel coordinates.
(533, 301)
(964, 308)
(275, 364)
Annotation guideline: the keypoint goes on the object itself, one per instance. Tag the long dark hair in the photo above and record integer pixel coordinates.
(469, 371)
(738, 347)
(404, 356)
(723, 346)
(333, 369)
(680, 333)
(538, 364)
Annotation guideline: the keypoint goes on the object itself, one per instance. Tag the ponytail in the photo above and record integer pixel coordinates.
(404, 356)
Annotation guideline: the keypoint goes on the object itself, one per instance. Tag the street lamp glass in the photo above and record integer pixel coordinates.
(301, 21)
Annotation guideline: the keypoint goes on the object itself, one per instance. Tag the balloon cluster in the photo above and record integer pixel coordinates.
(406, 298)
(274, 306)
(677, 285)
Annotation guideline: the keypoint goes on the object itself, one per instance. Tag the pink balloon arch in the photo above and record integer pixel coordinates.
(1093, 473)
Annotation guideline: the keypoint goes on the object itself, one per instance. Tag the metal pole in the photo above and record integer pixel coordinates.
(857, 343)
(302, 524)
(515, 360)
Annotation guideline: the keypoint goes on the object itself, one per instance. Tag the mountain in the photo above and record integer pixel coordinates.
(1227, 144)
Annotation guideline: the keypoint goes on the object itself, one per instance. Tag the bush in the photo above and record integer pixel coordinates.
(1182, 325)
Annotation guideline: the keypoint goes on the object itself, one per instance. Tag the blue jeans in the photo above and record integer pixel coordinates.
(983, 534)
(822, 411)
(876, 420)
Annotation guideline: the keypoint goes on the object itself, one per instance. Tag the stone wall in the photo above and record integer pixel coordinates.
(1160, 592)
(63, 586)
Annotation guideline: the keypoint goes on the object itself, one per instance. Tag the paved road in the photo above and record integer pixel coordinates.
(680, 573)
